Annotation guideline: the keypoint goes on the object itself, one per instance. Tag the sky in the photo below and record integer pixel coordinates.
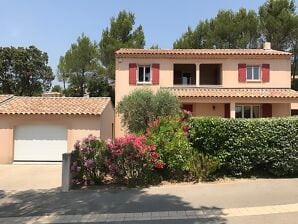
(53, 25)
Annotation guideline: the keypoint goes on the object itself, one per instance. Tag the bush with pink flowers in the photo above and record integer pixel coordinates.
(88, 165)
(131, 160)
(128, 160)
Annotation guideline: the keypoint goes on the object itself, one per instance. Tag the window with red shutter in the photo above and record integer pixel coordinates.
(265, 72)
(132, 74)
(266, 110)
(227, 110)
(155, 74)
(241, 72)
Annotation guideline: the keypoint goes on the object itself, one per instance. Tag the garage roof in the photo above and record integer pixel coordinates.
(53, 105)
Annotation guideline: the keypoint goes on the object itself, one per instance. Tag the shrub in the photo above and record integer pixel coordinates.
(88, 163)
(169, 135)
(203, 166)
(131, 159)
(143, 106)
(245, 146)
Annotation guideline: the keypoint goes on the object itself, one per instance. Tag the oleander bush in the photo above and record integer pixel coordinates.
(248, 146)
(130, 160)
(88, 165)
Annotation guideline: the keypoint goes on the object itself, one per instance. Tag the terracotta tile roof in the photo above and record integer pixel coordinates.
(233, 92)
(130, 52)
(54, 105)
(4, 97)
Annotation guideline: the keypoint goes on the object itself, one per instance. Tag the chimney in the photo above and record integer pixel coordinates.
(52, 94)
(267, 46)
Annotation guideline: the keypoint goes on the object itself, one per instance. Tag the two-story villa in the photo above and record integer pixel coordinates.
(231, 83)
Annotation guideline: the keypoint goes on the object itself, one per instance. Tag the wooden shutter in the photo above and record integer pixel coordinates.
(132, 74)
(187, 107)
(227, 110)
(266, 110)
(265, 72)
(155, 74)
(242, 72)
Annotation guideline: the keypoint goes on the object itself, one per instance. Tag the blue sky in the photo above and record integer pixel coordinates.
(52, 25)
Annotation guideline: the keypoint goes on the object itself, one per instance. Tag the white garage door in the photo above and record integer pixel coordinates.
(40, 143)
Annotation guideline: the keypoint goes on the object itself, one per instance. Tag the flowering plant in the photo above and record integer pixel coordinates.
(131, 159)
(170, 136)
(88, 165)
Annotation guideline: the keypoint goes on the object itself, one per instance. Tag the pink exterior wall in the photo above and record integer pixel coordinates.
(280, 77)
(78, 127)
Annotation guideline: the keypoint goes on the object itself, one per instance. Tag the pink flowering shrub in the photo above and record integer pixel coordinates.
(131, 160)
(88, 164)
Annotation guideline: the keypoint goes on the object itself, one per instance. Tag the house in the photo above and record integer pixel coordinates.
(42, 128)
(231, 83)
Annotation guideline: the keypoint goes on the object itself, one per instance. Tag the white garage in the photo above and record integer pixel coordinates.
(39, 143)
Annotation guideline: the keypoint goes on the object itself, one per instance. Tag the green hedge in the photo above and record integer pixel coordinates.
(249, 146)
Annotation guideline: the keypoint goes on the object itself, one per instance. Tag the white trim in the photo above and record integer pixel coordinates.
(251, 109)
(253, 80)
(137, 74)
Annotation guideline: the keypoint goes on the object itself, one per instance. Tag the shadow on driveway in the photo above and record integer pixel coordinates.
(117, 200)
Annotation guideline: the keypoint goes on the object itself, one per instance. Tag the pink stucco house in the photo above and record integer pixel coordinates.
(231, 83)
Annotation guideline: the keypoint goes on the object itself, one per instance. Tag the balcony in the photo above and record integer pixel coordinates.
(186, 75)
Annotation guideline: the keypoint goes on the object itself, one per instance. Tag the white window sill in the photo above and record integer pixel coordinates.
(144, 83)
(256, 81)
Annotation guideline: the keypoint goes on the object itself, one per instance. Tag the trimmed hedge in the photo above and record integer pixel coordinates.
(249, 146)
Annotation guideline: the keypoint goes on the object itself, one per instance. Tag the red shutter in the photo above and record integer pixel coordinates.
(265, 72)
(132, 74)
(242, 72)
(266, 110)
(227, 110)
(187, 107)
(155, 74)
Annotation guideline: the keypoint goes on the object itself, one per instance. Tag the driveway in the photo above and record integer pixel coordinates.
(271, 201)
(23, 177)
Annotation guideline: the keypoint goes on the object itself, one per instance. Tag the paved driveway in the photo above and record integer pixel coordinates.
(30, 177)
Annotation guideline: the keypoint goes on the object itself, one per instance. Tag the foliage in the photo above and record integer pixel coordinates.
(246, 146)
(57, 88)
(131, 159)
(227, 30)
(24, 71)
(120, 34)
(79, 68)
(278, 20)
(203, 166)
(169, 136)
(88, 165)
(142, 106)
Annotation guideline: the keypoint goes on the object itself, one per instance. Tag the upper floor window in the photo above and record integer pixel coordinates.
(144, 74)
(253, 73)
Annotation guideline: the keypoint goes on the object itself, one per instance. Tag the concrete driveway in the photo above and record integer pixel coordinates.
(21, 177)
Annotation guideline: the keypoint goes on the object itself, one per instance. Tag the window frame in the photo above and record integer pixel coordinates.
(253, 79)
(144, 66)
(251, 110)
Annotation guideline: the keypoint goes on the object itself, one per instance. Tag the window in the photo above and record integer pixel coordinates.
(210, 74)
(247, 111)
(253, 73)
(144, 75)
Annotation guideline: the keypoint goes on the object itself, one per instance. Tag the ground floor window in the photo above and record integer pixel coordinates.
(247, 111)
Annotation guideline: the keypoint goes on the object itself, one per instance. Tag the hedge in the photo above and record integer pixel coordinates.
(249, 146)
